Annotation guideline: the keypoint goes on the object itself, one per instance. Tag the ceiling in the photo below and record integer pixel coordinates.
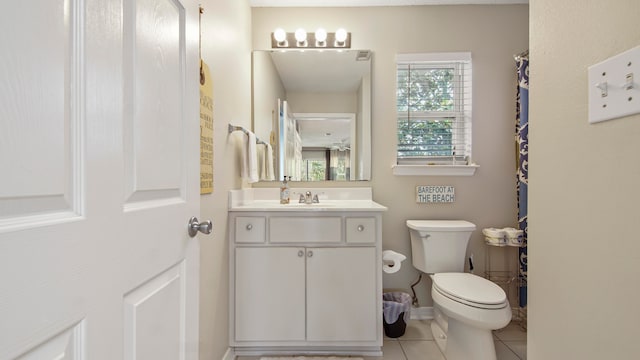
(327, 131)
(320, 71)
(332, 3)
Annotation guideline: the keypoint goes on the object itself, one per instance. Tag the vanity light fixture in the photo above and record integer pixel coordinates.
(341, 37)
(321, 37)
(300, 39)
(280, 38)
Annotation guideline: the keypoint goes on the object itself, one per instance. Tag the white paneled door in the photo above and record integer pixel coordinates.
(99, 168)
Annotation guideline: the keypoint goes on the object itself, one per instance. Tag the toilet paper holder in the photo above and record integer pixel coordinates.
(391, 261)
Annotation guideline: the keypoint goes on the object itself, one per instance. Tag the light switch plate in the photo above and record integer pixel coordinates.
(614, 87)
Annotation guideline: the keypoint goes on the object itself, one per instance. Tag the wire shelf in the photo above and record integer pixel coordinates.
(509, 280)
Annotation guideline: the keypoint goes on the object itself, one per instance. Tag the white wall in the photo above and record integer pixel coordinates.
(304, 102)
(226, 47)
(265, 100)
(584, 253)
(493, 34)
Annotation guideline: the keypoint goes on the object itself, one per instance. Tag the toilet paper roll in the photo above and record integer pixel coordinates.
(391, 261)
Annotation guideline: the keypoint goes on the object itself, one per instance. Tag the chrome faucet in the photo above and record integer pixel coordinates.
(308, 198)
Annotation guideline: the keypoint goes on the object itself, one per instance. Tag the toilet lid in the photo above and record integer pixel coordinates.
(470, 289)
(441, 225)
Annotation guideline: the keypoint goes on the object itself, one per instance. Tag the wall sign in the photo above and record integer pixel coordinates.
(206, 130)
(435, 194)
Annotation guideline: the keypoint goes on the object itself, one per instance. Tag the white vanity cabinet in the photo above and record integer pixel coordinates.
(306, 282)
(283, 293)
(341, 294)
(269, 287)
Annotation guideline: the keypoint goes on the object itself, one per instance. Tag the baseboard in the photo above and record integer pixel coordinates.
(422, 313)
(229, 355)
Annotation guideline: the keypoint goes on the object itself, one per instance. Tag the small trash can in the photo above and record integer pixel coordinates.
(396, 307)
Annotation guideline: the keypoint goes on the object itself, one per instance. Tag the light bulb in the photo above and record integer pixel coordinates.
(321, 35)
(301, 35)
(279, 35)
(341, 35)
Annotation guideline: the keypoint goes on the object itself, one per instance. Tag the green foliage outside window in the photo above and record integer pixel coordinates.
(425, 101)
(315, 170)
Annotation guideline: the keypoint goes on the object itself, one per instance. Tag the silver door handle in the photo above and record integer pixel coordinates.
(194, 226)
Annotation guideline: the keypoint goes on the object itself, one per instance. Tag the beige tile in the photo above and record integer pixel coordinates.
(504, 353)
(327, 356)
(512, 332)
(418, 330)
(518, 347)
(391, 350)
(421, 350)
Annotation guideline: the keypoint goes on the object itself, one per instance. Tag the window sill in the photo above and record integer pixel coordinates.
(435, 170)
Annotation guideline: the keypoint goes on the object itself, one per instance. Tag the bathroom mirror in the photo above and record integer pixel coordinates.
(314, 108)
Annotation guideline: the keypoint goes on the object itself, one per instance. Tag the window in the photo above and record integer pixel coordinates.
(434, 109)
(314, 165)
(320, 164)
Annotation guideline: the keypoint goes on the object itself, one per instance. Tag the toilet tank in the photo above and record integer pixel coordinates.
(439, 246)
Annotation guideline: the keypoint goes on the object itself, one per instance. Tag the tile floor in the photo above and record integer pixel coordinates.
(417, 344)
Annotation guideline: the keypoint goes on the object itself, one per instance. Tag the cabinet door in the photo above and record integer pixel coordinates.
(341, 294)
(270, 294)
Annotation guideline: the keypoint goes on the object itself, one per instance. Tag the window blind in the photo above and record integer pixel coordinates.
(434, 108)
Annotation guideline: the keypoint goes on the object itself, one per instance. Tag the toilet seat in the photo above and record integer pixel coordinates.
(470, 289)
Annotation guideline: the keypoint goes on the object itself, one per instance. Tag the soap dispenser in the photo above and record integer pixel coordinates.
(284, 191)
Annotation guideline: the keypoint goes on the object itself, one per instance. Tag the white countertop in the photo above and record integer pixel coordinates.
(331, 199)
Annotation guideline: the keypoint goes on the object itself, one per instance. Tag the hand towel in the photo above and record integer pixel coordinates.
(269, 163)
(250, 162)
(262, 170)
(262, 161)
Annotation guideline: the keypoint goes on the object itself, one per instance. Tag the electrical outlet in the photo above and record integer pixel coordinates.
(614, 90)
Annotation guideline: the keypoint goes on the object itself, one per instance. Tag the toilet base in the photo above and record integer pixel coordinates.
(462, 342)
(439, 335)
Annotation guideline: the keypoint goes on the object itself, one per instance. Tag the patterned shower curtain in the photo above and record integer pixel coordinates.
(522, 139)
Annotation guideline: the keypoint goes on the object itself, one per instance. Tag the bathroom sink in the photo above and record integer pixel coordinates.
(327, 205)
(331, 199)
(323, 204)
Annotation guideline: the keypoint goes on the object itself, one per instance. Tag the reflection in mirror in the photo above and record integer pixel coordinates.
(314, 106)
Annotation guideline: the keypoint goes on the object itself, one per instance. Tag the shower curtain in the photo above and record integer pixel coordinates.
(522, 140)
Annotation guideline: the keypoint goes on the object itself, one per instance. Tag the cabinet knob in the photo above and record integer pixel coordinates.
(309, 253)
(300, 253)
(360, 228)
(249, 227)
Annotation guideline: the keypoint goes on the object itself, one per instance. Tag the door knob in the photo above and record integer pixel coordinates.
(194, 226)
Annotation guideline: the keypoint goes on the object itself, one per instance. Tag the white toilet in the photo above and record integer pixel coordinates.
(466, 307)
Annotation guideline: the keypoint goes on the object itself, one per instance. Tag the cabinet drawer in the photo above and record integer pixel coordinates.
(250, 229)
(361, 230)
(305, 229)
